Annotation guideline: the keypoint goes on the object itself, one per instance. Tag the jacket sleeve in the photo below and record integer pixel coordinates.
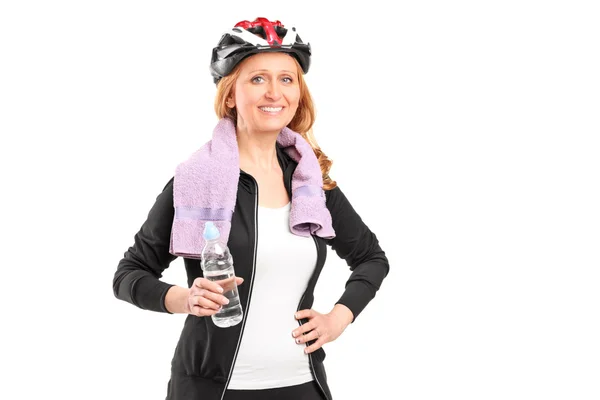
(137, 279)
(355, 243)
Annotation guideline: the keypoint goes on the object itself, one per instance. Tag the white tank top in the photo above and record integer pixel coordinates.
(268, 357)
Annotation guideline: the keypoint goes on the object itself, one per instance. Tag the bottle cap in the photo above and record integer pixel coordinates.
(211, 231)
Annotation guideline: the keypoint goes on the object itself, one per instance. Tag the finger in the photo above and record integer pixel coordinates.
(216, 297)
(308, 313)
(239, 280)
(302, 329)
(315, 346)
(202, 312)
(204, 283)
(204, 302)
(312, 335)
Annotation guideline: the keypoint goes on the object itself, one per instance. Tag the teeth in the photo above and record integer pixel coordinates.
(271, 109)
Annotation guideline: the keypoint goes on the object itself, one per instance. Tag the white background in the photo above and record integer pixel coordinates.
(464, 133)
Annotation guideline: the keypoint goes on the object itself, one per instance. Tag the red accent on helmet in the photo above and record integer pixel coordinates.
(270, 35)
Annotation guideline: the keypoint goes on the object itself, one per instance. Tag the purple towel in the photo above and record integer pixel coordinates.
(205, 189)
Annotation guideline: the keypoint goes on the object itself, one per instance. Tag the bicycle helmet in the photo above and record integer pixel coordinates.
(261, 35)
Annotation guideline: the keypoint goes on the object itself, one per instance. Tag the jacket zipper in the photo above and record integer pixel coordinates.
(251, 286)
(312, 368)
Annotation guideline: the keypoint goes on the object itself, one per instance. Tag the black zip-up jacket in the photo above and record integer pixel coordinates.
(205, 354)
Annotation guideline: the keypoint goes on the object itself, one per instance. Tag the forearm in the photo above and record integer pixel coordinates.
(362, 287)
(176, 300)
(140, 288)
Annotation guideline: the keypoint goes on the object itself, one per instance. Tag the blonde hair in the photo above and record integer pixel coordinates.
(301, 123)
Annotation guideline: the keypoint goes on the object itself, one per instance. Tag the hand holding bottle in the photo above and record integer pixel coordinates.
(206, 297)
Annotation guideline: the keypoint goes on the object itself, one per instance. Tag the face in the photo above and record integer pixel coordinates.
(267, 92)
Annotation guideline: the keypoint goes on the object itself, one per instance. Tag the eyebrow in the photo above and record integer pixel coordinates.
(266, 70)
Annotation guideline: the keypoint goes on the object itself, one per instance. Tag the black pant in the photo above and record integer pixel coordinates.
(306, 391)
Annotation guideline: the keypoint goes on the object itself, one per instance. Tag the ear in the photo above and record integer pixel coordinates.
(230, 103)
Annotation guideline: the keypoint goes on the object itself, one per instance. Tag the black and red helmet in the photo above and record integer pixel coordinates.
(261, 35)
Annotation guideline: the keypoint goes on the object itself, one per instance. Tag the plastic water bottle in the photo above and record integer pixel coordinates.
(217, 265)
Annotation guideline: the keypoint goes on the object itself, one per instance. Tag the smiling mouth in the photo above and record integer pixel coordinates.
(271, 110)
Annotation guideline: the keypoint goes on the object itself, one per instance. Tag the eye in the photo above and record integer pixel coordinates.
(258, 79)
(287, 79)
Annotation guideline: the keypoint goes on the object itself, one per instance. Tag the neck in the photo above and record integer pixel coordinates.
(257, 150)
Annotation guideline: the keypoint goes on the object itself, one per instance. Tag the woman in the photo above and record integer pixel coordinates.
(282, 215)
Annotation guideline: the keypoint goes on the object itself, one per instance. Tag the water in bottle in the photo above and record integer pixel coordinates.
(217, 265)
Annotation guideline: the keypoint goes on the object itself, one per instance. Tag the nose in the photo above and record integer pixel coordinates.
(273, 90)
